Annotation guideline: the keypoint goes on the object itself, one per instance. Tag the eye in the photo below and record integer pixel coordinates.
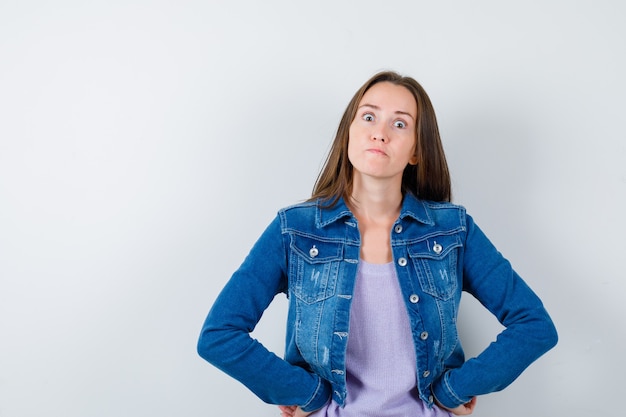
(368, 117)
(399, 124)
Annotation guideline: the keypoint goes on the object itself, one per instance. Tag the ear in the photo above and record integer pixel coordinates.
(414, 159)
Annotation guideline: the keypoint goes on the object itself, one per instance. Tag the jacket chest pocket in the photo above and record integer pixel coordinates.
(435, 261)
(314, 268)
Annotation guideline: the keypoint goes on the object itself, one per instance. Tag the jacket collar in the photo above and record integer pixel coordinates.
(415, 208)
(412, 207)
(328, 215)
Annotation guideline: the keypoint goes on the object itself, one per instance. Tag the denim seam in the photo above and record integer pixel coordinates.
(451, 392)
(315, 393)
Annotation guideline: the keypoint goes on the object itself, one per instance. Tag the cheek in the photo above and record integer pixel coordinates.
(355, 150)
(411, 150)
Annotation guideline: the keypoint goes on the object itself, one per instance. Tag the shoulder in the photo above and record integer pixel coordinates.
(442, 208)
(304, 209)
(298, 216)
(449, 215)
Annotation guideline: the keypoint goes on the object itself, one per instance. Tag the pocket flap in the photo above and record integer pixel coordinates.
(314, 250)
(435, 247)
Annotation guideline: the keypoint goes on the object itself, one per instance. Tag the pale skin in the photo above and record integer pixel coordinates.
(381, 143)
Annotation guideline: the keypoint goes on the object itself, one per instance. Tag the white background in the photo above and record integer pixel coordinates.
(144, 146)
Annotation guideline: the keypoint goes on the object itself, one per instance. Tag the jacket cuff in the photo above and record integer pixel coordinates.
(320, 397)
(444, 393)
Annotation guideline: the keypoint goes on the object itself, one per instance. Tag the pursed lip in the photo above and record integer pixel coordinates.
(377, 151)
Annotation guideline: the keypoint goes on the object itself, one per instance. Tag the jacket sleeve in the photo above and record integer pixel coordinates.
(225, 338)
(529, 332)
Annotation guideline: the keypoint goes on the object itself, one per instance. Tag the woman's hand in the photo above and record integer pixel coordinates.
(463, 409)
(292, 411)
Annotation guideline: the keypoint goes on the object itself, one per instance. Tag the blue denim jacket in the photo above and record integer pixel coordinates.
(311, 253)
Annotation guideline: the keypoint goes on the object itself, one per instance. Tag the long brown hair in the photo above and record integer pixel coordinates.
(428, 180)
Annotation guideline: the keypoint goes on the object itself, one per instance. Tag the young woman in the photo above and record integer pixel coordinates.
(374, 264)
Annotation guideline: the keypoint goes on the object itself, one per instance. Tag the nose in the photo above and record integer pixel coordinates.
(380, 134)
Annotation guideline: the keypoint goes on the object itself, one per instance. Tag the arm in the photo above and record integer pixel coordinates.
(528, 334)
(225, 337)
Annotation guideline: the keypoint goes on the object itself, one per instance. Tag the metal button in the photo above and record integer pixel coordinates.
(414, 298)
(402, 261)
(437, 248)
(314, 252)
(431, 399)
(426, 374)
(424, 335)
(398, 228)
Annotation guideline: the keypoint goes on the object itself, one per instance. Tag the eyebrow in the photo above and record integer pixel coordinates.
(378, 108)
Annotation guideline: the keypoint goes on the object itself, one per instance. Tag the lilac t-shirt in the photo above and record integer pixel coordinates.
(380, 361)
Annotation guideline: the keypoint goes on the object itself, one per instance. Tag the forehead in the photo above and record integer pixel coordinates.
(391, 97)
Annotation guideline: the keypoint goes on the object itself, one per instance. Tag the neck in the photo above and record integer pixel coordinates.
(376, 200)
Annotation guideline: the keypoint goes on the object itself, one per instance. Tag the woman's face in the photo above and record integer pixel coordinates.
(382, 135)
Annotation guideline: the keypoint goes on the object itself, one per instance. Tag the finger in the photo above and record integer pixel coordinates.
(287, 410)
(467, 408)
(471, 405)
